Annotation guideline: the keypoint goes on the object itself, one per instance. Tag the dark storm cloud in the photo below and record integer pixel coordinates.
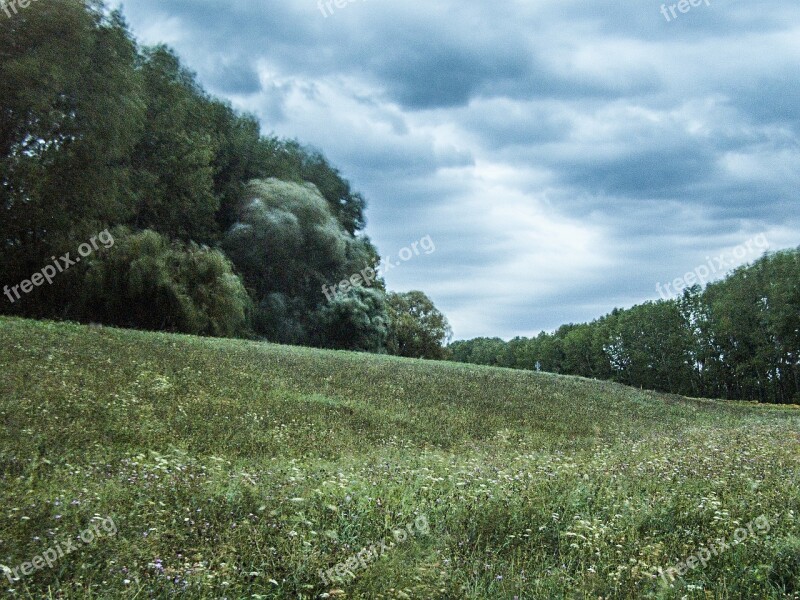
(651, 173)
(770, 99)
(431, 77)
(564, 156)
(502, 123)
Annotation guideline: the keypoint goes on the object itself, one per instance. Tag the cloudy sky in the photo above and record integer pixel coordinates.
(565, 156)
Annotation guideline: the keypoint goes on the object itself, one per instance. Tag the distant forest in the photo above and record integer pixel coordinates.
(738, 338)
(217, 229)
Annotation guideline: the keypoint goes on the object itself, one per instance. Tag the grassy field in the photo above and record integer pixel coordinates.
(166, 466)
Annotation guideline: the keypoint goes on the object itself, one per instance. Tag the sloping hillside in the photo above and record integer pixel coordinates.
(246, 470)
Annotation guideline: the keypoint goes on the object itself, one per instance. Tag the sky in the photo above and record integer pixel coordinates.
(565, 157)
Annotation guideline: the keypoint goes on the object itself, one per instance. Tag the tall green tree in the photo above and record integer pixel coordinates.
(70, 114)
(96, 132)
(241, 156)
(739, 338)
(291, 161)
(290, 248)
(755, 328)
(173, 162)
(418, 328)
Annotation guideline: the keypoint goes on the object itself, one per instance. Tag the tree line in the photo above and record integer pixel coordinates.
(219, 230)
(739, 338)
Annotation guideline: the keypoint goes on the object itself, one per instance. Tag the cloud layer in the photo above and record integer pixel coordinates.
(564, 157)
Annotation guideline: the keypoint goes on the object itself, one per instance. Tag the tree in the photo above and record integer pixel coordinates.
(148, 282)
(756, 328)
(97, 134)
(577, 345)
(354, 320)
(242, 155)
(70, 113)
(291, 161)
(418, 329)
(665, 340)
(173, 162)
(288, 245)
(482, 351)
(739, 339)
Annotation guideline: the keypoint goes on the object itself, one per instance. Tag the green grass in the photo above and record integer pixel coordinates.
(234, 469)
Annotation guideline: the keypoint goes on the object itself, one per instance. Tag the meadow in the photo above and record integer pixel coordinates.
(236, 469)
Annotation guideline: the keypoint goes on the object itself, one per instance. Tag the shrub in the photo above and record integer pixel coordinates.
(147, 282)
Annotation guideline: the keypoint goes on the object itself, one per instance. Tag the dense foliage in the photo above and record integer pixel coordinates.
(419, 329)
(149, 282)
(739, 338)
(223, 231)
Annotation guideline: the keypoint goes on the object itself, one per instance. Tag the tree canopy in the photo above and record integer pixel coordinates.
(739, 338)
(221, 230)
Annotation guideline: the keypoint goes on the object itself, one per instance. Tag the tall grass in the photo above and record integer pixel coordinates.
(242, 470)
